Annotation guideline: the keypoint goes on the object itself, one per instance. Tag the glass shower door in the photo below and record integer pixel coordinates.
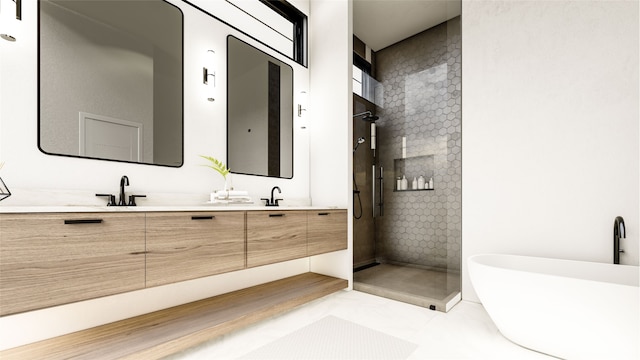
(418, 238)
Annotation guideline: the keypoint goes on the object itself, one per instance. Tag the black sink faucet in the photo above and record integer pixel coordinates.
(618, 232)
(272, 201)
(124, 181)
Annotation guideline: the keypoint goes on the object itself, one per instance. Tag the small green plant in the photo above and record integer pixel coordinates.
(217, 165)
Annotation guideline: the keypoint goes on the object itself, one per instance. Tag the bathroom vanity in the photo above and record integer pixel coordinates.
(53, 257)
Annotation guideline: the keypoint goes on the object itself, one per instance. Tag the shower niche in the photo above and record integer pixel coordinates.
(414, 167)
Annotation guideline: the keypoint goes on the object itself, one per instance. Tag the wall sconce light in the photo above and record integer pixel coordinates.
(302, 103)
(302, 106)
(10, 37)
(206, 72)
(18, 9)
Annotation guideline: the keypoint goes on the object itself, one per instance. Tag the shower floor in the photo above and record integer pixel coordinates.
(434, 289)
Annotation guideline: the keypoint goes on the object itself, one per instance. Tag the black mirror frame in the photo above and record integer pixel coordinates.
(113, 160)
(293, 141)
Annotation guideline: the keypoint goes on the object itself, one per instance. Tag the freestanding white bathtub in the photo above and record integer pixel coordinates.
(569, 309)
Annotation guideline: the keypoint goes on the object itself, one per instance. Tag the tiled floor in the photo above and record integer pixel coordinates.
(413, 285)
(465, 332)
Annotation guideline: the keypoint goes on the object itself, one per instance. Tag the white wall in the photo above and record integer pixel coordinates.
(550, 129)
(330, 64)
(29, 171)
(330, 77)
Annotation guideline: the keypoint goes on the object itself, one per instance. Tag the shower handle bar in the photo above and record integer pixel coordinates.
(373, 190)
(381, 191)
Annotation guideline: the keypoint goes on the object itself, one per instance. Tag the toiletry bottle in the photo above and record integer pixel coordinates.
(404, 183)
(421, 182)
(414, 184)
(399, 183)
(431, 183)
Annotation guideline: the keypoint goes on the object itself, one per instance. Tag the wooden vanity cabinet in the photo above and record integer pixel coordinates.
(188, 245)
(53, 259)
(326, 231)
(275, 236)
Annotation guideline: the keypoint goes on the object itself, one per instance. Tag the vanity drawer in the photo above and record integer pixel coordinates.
(327, 231)
(53, 259)
(184, 245)
(274, 236)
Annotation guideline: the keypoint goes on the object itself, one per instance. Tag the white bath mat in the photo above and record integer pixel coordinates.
(335, 338)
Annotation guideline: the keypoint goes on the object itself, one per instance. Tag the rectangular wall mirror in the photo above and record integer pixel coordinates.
(259, 112)
(111, 80)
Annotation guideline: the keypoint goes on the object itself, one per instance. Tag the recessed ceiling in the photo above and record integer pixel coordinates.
(380, 23)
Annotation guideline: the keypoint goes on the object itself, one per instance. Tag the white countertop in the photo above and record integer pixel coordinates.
(204, 207)
(84, 201)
